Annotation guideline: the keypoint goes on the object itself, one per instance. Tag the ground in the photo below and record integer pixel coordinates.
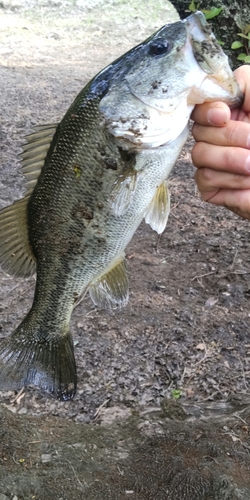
(153, 376)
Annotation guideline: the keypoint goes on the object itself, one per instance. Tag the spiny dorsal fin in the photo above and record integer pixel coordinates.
(35, 151)
(111, 289)
(159, 209)
(16, 255)
(123, 191)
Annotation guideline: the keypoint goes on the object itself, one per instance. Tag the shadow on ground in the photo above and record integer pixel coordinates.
(172, 453)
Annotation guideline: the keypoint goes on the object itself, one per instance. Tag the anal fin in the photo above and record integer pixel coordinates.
(111, 289)
(16, 255)
(158, 211)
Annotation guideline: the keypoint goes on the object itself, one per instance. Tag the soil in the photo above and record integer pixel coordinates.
(162, 408)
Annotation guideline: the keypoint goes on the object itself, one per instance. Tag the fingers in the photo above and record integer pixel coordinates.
(242, 76)
(227, 190)
(235, 134)
(209, 180)
(216, 113)
(222, 151)
(221, 158)
(238, 201)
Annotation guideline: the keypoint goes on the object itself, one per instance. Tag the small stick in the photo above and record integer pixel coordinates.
(202, 276)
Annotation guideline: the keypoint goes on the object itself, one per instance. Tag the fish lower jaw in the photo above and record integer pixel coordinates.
(222, 89)
(133, 144)
(175, 124)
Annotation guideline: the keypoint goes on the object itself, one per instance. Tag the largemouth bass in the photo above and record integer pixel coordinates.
(90, 180)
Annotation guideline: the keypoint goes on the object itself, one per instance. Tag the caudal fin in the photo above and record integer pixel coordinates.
(47, 362)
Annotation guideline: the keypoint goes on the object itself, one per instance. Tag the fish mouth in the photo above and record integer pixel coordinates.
(213, 61)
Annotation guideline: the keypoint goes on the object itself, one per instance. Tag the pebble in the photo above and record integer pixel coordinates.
(23, 411)
(46, 458)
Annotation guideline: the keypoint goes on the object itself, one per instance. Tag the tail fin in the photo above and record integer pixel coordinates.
(47, 362)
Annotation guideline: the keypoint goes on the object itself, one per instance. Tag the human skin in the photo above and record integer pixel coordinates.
(222, 150)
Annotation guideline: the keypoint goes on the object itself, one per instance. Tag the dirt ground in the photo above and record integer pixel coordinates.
(163, 385)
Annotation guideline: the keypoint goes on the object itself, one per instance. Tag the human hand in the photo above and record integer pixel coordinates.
(222, 151)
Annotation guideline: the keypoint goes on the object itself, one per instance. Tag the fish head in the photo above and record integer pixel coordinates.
(155, 86)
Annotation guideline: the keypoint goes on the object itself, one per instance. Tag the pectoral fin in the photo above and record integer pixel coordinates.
(159, 209)
(111, 289)
(123, 191)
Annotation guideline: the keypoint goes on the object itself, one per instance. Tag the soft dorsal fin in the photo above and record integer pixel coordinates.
(158, 211)
(34, 153)
(16, 255)
(111, 289)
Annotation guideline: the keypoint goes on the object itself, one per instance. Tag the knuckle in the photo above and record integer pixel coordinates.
(197, 154)
(196, 131)
(230, 157)
(231, 133)
(207, 175)
(203, 178)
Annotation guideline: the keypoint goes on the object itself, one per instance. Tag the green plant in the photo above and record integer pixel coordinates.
(209, 14)
(245, 35)
(176, 393)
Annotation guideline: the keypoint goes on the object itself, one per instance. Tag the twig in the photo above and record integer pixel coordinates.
(11, 290)
(237, 416)
(96, 415)
(19, 396)
(14, 459)
(202, 276)
(77, 478)
(232, 265)
(183, 375)
(243, 375)
(204, 357)
(158, 243)
(211, 458)
(240, 272)
(120, 471)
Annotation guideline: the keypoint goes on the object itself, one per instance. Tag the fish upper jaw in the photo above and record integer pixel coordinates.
(219, 82)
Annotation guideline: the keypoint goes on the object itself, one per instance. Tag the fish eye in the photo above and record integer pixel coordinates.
(159, 47)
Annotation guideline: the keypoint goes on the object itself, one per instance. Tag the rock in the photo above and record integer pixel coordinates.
(46, 458)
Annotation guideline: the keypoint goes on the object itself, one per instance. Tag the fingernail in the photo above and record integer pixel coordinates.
(217, 116)
(248, 142)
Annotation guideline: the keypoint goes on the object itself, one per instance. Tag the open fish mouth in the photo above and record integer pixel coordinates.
(213, 61)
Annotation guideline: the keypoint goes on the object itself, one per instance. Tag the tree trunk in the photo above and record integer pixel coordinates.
(226, 26)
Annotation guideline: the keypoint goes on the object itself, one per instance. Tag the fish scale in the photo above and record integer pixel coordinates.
(90, 180)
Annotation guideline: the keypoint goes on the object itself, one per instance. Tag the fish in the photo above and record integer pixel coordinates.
(90, 181)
